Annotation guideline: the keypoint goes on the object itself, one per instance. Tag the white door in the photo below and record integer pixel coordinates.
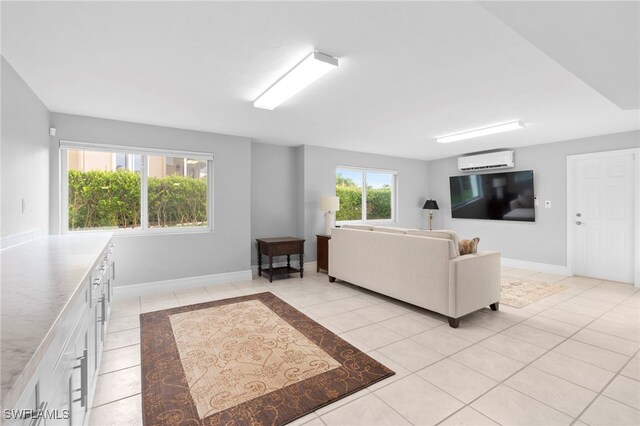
(603, 216)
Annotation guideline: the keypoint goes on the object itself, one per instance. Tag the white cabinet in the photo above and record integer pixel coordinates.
(69, 386)
(100, 308)
(61, 390)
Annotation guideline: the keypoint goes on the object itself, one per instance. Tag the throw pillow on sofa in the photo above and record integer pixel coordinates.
(468, 246)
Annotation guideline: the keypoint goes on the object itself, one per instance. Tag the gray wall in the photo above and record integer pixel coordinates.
(274, 191)
(544, 241)
(299, 176)
(154, 257)
(25, 157)
(319, 179)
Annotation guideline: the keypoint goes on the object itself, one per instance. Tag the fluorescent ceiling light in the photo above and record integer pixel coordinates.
(311, 68)
(514, 125)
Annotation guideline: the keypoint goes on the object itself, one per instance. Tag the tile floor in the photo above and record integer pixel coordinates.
(571, 358)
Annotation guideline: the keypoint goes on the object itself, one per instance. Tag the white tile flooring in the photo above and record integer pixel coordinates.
(571, 358)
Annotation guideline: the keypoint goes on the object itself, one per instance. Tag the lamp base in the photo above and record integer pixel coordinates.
(430, 219)
(329, 222)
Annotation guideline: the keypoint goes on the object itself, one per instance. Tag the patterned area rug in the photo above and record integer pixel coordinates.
(246, 360)
(518, 292)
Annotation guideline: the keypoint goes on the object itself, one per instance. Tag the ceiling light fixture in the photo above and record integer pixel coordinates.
(311, 68)
(514, 125)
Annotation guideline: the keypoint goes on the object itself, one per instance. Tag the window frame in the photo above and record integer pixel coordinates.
(144, 228)
(394, 195)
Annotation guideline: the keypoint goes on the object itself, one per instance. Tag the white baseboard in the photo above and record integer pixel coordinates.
(535, 266)
(14, 240)
(125, 291)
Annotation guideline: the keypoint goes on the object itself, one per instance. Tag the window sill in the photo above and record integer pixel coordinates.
(148, 232)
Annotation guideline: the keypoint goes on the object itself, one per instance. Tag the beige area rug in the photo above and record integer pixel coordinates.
(519, 292)
(251, 360)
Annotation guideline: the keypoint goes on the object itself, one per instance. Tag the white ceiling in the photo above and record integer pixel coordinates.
(408, 71)
(597, 41)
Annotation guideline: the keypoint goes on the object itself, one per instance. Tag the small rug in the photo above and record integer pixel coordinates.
(518, 292)
(246, 360)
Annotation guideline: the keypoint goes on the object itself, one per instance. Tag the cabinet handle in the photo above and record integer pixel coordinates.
(109, 290)
(103, 309)
(84, 376)
(113, 270)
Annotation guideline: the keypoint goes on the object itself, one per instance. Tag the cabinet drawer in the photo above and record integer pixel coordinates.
(70, 385)
(284, 248)
(76, 314)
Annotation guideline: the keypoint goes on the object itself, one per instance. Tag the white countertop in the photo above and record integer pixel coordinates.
(38, 281)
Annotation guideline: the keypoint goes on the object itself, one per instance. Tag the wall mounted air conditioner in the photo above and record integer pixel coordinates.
(490, 160)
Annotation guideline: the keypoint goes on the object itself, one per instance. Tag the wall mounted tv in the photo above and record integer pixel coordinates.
(493, 196)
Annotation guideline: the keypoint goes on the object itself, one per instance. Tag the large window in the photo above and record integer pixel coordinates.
(365, 195)
(111, 189)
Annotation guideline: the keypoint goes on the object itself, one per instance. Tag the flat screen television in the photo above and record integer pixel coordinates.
(493, 196)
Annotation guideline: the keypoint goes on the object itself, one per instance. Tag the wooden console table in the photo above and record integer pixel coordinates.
(322, 252)
(280, 247)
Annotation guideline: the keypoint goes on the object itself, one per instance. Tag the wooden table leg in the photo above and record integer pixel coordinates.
(259, 262)
(270, 268)
(301, 263)
(288, 261)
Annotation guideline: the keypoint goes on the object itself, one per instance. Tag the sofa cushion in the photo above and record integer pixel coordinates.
(444, 233)
(360, 227)
(453, 250)
(389, 230)
(468, 246)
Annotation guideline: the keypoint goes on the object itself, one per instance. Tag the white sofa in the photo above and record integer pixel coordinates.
(423, 268)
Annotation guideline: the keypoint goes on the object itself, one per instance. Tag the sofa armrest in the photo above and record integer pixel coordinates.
(474, 282)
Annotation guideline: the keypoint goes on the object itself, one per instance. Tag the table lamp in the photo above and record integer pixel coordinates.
(431, 205)
(330, 205)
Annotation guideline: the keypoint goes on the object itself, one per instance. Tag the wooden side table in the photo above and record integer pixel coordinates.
(279, 247)
(322, 249)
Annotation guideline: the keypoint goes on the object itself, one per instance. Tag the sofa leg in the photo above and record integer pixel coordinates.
(332, 279)
(495, 306)
(454, 322)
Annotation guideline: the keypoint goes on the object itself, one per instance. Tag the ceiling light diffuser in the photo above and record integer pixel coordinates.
(514, 125)
(311, 68)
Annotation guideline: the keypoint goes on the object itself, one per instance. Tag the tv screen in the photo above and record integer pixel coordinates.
(493, 196)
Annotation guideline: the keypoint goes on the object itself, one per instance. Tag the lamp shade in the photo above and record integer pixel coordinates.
(431, 205)
(329, 204)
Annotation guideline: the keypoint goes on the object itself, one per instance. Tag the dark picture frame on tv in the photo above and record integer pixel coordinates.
(494, 196)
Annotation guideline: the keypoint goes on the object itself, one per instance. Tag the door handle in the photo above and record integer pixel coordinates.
(580, 223)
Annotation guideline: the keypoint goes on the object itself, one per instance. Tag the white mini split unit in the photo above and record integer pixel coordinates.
(490, 160)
